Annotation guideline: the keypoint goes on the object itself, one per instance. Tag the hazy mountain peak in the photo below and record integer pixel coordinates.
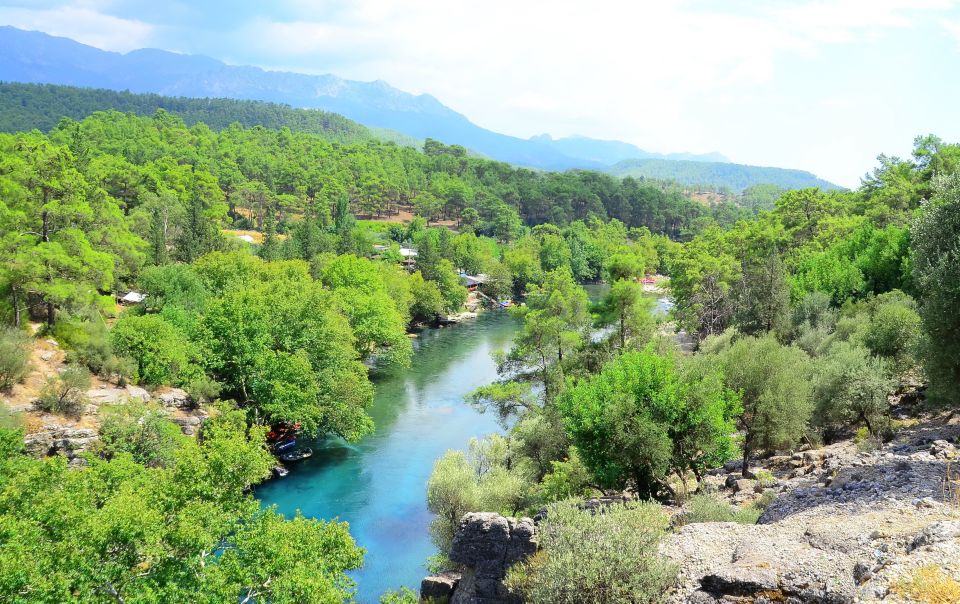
(36, 57)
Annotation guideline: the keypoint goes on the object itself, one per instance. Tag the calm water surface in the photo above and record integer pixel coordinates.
(379, 484)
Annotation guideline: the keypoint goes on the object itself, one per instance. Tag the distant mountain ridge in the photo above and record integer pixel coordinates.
(35, 57)
(611, 151)
(734, 176)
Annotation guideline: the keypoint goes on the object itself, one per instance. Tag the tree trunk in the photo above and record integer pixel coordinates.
(744, 470)
(16, 308)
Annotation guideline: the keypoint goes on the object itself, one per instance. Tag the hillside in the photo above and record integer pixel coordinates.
(735, 176)
(25, 107)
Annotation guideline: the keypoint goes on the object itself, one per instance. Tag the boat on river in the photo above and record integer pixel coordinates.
(280, 471)
(286, 445)
(298, 455)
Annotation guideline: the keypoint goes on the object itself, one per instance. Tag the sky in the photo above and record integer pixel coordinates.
(819, 85)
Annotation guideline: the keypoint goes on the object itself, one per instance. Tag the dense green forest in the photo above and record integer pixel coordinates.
(25, 107)
(805, 311)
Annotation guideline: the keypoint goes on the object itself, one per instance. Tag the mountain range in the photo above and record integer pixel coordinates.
(36, 57)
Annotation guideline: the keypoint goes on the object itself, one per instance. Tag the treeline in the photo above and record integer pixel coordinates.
(25, 107)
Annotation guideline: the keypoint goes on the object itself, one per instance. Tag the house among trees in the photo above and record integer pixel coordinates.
(133, 298)
(473, 282)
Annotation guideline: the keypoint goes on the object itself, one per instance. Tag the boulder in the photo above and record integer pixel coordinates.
(106, 396)
(439, 587)
(937, 532)
(60, 439)
(487, 545)
(138, 393)
(744, 485)
(942, 449)
(175, 397)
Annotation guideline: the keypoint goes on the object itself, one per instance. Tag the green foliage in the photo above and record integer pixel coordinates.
(630, 312)
(567, 479)
(482, 479)
(773, 381)
(120, 530)
(144, 433)
(851, 388)
(30, 106)
(14, 357)
(404, 595)
(66, 393)
(162, 353)
(428, 303)
(642, 418)
(710, 508)
(609, 556)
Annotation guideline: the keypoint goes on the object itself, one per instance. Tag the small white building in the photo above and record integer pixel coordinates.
(133, 298)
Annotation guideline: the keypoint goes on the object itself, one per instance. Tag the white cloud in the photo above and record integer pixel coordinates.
(82, 21)
(953, 27)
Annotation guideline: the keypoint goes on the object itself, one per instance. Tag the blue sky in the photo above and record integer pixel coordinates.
(819, 85)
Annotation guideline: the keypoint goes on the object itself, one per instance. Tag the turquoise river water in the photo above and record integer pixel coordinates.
(379, 484)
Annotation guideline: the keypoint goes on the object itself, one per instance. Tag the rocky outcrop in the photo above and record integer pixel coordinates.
(846, 525)
(175, 397)
(485, 546)
(439, 587)
(66, 440)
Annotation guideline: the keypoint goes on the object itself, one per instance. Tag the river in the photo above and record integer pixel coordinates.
(379, 484)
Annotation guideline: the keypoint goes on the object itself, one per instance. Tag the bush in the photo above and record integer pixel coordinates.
(145, 433)
(709, 508)
(607, 557)
(14, 357)
(481, 480)
(163, 354)
(929, 585)
(66, 393)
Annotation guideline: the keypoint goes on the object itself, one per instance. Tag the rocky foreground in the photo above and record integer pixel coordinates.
(847, 525)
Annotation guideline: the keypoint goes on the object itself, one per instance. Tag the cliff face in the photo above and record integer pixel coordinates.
(847, 525)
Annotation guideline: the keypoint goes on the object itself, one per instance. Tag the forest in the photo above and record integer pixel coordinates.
(803, 312)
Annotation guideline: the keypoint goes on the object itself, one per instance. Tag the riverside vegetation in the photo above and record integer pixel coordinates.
(805, 317)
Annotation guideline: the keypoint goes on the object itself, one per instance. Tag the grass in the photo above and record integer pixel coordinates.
(929, 585)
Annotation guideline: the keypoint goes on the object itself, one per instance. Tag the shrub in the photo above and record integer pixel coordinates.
(483, 479)
(929, 585)
(66, 393)
(163, 354)
(14, 357)
(145, 433)
(585, 558)
(774, 383)
(404, 595)
(709, 508)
